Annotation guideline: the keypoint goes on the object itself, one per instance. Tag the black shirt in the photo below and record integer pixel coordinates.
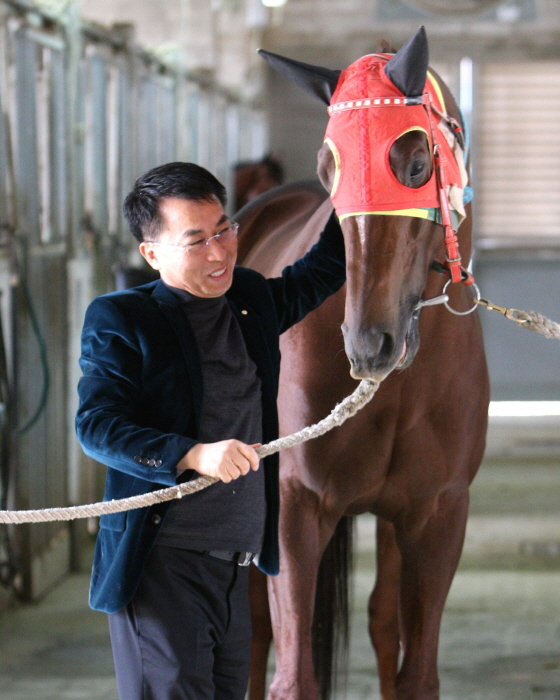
(223, 516)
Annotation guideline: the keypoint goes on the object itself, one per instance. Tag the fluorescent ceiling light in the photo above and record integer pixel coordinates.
(273, 3)
(524, 409)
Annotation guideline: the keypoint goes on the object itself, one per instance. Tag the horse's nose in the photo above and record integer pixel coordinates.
(371, 342)
(370, 352)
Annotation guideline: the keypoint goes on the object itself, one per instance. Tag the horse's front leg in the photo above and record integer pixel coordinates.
(292, 593)
(430, 553)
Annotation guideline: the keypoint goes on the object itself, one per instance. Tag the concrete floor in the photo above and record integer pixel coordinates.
(501, 629)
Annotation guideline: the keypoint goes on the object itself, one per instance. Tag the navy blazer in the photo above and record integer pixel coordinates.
(141, 395)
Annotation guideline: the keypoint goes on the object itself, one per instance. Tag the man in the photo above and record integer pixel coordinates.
(180, 378)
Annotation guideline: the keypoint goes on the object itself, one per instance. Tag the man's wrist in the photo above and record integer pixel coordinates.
(188, 461)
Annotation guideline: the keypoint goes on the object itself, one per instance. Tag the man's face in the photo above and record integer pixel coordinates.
(204, 270)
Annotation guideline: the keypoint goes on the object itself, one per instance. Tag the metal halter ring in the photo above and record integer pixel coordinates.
(463, 313)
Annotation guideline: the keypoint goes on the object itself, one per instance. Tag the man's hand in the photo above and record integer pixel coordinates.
(225, 460)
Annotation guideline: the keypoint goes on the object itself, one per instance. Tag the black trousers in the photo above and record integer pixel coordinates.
(186, 634)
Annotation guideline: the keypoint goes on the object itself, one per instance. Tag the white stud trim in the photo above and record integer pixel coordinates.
(372, 101)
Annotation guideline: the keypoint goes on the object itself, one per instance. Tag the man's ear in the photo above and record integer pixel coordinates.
(148, 252)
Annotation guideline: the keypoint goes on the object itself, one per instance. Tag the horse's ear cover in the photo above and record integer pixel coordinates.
(408, 68)
(317, 81)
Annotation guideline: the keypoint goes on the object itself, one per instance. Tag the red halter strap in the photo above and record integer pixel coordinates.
(452, 254)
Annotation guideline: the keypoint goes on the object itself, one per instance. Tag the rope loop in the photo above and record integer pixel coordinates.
(347, 408)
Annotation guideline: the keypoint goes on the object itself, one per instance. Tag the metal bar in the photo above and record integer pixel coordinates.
(50, 41)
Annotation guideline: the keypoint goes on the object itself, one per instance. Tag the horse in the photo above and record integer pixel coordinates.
(252, 178)
(392, 165)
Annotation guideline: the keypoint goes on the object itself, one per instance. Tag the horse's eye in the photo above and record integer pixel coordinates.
(417, 168)
(410, 159)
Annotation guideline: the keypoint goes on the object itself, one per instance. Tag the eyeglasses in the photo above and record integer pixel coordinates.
(224, 235)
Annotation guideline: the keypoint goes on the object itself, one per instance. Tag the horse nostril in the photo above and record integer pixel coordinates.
(387, 345)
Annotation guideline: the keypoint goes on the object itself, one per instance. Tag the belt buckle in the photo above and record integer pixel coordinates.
(247, 559)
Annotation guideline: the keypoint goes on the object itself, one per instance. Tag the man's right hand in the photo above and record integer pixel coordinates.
(225, 460)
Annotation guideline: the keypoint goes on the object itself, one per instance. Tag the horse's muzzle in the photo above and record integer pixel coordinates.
(375, 354)
(372, 354)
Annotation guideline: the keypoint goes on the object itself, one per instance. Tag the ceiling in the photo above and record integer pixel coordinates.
(336, 32)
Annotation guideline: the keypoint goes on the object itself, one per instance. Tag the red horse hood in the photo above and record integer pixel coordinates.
(368, 113)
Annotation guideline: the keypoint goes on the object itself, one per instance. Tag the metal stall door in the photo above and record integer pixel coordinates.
(155, 119)
(40, 340)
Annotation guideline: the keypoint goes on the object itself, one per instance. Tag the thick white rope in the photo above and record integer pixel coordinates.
(365, 391)
(531, 320)
(534, 321)
(344, 410)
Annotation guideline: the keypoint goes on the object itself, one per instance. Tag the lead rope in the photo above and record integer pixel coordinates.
(531, 320)
(342, 411)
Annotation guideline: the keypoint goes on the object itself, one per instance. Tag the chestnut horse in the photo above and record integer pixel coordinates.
(252, 178)
(410, 455)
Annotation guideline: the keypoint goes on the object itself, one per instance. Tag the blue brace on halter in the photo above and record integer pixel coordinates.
(468, 193)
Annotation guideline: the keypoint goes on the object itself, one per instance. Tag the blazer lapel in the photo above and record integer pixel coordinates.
(170, 306)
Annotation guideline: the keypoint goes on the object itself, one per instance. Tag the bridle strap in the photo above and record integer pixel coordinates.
(442, 269)
(452, 253)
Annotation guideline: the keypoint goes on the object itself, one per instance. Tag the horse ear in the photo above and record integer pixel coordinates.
(317, 81)
(408, 68)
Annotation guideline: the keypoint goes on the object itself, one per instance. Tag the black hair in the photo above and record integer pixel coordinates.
(183, 180)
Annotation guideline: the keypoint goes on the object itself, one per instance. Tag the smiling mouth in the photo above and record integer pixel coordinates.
(219, 273)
